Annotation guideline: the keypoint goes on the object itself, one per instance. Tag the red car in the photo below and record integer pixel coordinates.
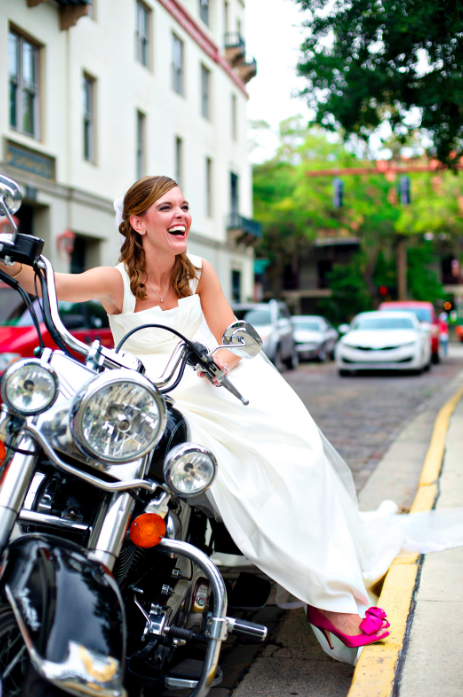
(18, 338)
(426, 314)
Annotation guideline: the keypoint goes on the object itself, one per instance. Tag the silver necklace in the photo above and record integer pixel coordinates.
(161, 299)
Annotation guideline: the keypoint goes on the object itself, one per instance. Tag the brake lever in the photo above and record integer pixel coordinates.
(201, 361)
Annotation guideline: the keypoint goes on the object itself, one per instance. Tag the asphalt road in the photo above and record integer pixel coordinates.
(361, 416)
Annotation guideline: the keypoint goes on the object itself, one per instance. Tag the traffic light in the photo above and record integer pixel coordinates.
(404, 190)
(338, 193)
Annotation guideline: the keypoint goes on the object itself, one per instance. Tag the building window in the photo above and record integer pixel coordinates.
(208, 187)
(177, 64)
(234, 123)
(23, 67)
(226, 16)
(204, 10)
(89, 118)
(142, 33)
(179, 161)
(236, 286)
(140, 145)
(205, 92)
(234, 194)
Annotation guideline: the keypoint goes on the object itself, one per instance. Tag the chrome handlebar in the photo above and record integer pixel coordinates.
(103, 356)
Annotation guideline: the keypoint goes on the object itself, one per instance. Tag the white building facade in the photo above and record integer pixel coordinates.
(97, 94)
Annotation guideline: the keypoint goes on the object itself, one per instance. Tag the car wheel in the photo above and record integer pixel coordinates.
(344, 373)
(293, 361)
(321, 355)
(277, 359)
(435, 358)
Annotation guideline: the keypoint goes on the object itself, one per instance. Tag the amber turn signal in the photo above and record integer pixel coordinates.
(147, 530)
(2, 452)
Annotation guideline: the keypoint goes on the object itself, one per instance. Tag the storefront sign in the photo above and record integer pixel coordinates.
(30, 160)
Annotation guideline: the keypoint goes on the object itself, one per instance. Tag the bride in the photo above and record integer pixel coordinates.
(284, 494)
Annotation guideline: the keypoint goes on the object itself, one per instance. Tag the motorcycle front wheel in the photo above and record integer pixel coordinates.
(18, 678)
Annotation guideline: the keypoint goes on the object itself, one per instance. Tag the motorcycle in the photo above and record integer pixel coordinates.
(106, 583)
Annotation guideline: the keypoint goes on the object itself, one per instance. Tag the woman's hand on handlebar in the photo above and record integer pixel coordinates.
(226, 362)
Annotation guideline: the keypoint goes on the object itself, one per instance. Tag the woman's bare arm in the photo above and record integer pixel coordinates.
(104, 284)
(217, 310)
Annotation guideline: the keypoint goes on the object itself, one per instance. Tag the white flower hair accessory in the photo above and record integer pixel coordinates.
(119, 208)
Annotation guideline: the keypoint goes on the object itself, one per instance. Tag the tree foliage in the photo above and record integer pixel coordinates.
(296, 209)
(371, 61)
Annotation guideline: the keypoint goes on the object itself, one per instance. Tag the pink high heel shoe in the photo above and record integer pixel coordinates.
(370, 625)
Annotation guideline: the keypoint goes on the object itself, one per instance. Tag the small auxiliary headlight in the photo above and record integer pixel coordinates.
(189, 469)
(29, 386)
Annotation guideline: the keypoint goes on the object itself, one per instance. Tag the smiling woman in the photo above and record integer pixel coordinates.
(138, 211)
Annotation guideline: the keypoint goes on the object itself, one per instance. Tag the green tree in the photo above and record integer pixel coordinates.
(296, 209)
(373, 61)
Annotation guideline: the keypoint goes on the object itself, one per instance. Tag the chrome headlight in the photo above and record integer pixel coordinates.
(29, 386)
(118, 417)
(189, 469)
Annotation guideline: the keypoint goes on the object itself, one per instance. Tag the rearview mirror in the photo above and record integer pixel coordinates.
(242, 339)
(10, 199)
(343, 328)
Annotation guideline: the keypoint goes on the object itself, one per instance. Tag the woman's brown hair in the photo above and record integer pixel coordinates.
(137, 200)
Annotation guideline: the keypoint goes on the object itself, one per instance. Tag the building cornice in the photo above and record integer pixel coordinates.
(194, 30)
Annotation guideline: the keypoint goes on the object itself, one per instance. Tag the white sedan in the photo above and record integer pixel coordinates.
(380, 341)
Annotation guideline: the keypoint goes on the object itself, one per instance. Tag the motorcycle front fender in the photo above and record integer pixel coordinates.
(70, 613)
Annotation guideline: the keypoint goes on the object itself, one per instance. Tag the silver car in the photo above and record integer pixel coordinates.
(273, 322)
(314, 336)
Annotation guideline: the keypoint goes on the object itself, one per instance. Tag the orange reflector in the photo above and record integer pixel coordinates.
(147, 530)
(2, 452)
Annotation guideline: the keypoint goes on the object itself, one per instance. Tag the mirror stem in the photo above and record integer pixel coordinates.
(8, 215)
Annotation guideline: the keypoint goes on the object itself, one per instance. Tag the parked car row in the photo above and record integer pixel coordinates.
(399, 336)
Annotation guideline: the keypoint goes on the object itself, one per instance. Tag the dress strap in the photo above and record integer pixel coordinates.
(198, 263)
(129, 302)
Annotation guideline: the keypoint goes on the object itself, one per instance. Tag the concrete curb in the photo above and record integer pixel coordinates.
(375, 673)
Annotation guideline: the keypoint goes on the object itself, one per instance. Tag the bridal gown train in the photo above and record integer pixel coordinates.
(284, 494)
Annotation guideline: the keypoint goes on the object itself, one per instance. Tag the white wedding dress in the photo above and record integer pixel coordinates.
(285, 495)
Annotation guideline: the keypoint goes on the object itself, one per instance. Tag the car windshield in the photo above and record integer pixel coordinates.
(383, 323)
(258, 317)
(423, 314)
(308, 325)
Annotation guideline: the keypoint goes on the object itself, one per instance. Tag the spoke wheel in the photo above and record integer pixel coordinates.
(18, 678)
(14, 660)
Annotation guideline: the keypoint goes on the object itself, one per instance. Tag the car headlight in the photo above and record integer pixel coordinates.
(189, 469)
(29, 386)
(6, 359)
(118, 417)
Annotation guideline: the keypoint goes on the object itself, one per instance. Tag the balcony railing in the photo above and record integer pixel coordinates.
(243, 230)
(247, 71)
(233, 39)
(235, 48)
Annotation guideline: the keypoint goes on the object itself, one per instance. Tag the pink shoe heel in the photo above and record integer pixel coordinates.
(370, 626)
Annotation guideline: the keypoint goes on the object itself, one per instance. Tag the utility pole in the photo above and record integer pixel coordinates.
(401, 251)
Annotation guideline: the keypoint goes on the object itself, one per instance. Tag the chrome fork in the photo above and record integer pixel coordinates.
(15, 483)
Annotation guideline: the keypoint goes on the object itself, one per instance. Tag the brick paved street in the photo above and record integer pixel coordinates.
(361, 416)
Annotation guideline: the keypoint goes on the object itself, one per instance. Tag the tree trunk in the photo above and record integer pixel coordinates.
(401, 251)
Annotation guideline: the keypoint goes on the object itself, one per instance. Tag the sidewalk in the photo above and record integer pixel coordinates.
(433, 663)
